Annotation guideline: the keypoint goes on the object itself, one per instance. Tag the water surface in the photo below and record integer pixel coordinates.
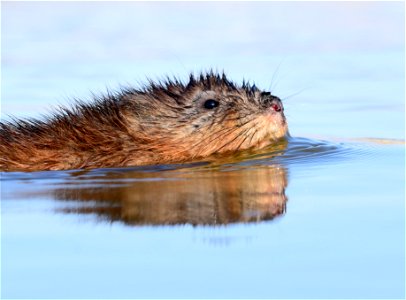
(320, 215)
(315, 215)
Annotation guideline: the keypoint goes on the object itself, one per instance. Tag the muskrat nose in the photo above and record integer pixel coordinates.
(276, 107)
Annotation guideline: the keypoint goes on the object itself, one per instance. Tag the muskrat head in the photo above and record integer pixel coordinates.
(208, 115)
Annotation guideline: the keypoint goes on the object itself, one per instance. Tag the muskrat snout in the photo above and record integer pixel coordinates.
(272, 102)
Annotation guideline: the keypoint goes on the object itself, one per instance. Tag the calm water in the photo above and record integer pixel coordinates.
(320, 215)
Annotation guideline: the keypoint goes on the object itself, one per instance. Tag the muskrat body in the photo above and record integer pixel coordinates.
(168, 122)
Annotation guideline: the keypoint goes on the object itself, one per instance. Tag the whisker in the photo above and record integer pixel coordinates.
(221, 132)
(252, 136)
(238, 136)
(245, 138)
(244, 133)
(275, 72)
(294, 94)
(215, 134)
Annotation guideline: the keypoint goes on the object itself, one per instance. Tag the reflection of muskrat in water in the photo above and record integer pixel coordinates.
(207, 197)
(162, 123)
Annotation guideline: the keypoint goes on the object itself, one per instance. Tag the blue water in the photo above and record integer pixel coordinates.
(321, 216)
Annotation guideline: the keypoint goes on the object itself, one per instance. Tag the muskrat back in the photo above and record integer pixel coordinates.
(160, 123)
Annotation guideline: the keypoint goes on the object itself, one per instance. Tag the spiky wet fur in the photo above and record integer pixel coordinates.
(163, 122)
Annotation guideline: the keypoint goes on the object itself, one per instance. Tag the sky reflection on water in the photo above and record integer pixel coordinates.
(326, 218)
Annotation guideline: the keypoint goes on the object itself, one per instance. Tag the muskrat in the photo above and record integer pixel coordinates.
(164, 122)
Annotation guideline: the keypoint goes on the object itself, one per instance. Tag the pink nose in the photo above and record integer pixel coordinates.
(276, 107)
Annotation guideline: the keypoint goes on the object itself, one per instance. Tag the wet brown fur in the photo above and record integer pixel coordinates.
(160, 123)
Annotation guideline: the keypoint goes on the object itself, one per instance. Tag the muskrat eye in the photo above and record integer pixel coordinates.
(211, 103)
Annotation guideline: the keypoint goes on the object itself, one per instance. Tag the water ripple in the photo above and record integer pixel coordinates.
(293, 151)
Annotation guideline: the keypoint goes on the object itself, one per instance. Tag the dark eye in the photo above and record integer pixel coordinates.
(211, 103)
